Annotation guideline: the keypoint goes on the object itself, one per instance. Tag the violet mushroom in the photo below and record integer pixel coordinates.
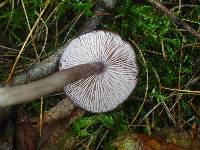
(106, 90)
(98, 70)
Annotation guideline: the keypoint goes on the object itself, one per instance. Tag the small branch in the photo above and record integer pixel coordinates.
(59, 111)
(177, 20)
(194, 108)
(183, 91)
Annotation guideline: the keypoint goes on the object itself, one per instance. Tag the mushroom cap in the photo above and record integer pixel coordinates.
(104, 91)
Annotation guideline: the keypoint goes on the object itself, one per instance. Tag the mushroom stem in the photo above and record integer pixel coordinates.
(57, 81)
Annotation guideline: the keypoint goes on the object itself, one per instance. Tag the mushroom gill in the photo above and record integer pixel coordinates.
(104, 91)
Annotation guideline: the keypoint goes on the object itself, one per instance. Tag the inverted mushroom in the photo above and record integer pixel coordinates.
(98, 68)
(106, 90)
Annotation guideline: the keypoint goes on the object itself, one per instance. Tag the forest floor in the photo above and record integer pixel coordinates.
(163, 110)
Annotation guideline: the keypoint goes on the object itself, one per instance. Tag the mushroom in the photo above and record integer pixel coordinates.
(98, 71)
(104, 91)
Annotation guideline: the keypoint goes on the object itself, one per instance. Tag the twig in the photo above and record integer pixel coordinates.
(10, 18)
(184, 91)
(194, 108)
(147, 114)
(76, 20)
(177, 20)
(101, 140)
(59, 111)
(168, 113)
(46, 36)
(41, 114)
(8, 48)
(3, 3)
(163, 50)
